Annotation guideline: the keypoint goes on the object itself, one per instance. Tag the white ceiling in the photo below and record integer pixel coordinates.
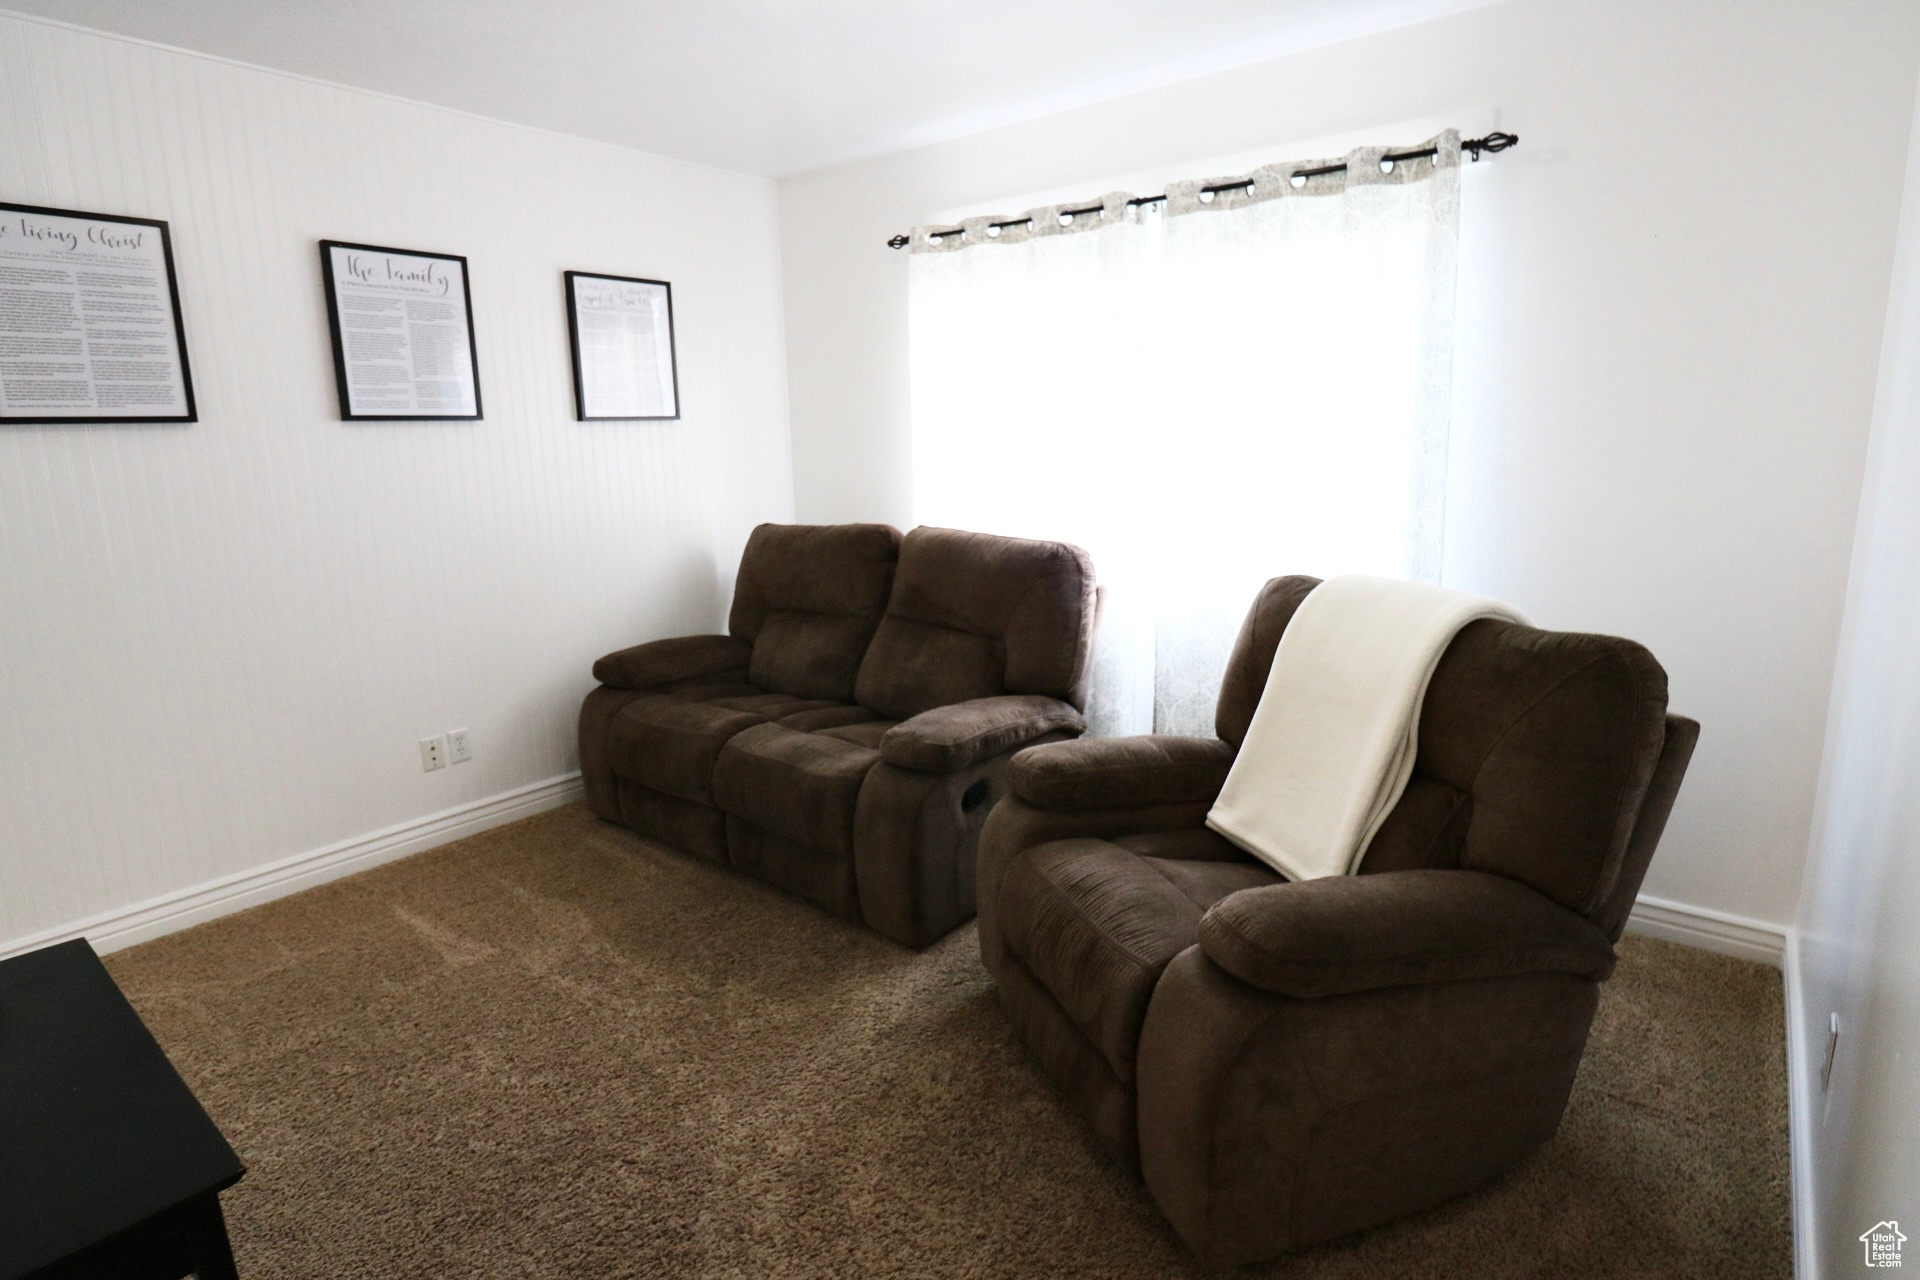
(771, 87)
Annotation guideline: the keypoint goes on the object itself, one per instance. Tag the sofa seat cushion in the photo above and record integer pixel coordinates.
(800, 785)
(710, 688)
(1095, 924)
(670, 741)
(835, 718)
(670, 744)
(862, 733)
(772, 706)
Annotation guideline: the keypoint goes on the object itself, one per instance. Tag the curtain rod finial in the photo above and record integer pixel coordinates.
(898, 242)
(1494, 143)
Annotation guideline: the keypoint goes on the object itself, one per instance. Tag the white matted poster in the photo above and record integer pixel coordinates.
(90, 327)
(622, 334)
(402, 323)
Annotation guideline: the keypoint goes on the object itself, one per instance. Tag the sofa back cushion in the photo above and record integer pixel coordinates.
(976, 616)
(809, 598)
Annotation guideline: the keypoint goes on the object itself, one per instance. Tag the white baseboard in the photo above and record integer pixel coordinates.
(1803, 1095)
(1710, 930)
(124, 926)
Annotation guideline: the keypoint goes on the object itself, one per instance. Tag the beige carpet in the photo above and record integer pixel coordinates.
(558, 1050)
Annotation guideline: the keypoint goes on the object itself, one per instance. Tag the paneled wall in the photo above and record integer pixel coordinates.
(221, 643)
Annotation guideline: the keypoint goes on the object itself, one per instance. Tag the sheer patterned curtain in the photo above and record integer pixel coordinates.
(1237, 382)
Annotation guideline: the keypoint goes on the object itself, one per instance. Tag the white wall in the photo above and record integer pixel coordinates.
(1671, 301)
(221, 642)
(1861, 908)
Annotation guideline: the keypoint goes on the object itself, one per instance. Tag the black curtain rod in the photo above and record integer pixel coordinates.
(1492, 144)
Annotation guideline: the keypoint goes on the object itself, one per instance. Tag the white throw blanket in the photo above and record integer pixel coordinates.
(1332, 742)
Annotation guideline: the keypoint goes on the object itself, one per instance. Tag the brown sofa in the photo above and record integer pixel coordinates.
(847, 737)
(1292, 1062)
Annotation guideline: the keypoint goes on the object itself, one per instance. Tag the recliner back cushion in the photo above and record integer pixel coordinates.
(809, 598)
(1252, 658)
(975, 616)
(1536, 750)
(1551, 739)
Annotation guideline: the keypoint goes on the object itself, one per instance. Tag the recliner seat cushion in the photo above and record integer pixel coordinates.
(800, 785)
(1189, 844)
(1096, 923)
(809, 597)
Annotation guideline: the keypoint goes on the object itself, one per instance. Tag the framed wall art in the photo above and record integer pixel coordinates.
(621, 329)
(402, 325)
(90, 327)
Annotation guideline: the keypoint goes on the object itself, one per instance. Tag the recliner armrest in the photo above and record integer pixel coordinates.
(1120, 773)
(1394, 929)
(661, 662)
(950, 738)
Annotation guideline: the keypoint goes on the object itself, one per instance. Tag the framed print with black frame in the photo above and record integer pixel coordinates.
(621, 330)
(90, 324)
(402, 327)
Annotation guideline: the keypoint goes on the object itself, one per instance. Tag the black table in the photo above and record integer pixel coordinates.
(109, 1167)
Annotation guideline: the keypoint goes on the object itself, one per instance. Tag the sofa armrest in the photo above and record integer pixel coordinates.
(951, 738)
(1398, 928)
(1120, 773)
(663, 661)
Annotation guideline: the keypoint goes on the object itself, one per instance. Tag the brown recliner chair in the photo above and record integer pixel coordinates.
(1291, 1062)
(847, 737)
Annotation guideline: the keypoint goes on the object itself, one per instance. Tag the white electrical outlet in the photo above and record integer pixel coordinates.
(433, 753)
(459, 750)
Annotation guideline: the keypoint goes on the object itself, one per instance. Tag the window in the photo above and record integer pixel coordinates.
(1242, 380)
